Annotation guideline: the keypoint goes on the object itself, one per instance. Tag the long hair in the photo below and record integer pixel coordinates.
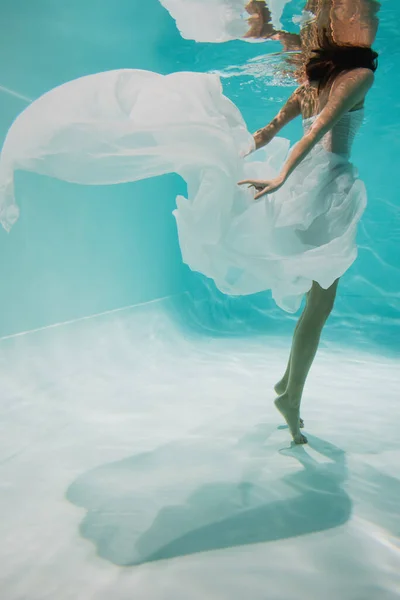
(330, 59)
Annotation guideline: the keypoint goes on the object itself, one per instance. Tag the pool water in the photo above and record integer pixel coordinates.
(140, 451)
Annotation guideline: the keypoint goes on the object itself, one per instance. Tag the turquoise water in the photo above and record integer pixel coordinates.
(113, 247)
(140, 452)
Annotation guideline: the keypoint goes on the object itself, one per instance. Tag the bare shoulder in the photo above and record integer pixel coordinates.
(350, 88)
(360, 77)
(302, 91)
(365, 74)
(292, 105)
(296, 95)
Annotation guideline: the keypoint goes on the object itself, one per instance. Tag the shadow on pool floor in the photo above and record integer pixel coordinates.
(151, 507)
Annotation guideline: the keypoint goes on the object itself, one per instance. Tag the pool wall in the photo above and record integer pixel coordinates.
(78, 251)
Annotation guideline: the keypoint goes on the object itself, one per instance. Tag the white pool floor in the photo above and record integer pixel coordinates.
(140, 462)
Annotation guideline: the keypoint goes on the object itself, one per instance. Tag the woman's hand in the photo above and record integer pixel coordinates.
(263, 187)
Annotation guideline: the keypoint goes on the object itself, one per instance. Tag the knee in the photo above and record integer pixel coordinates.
(325, 308)
(320, 303)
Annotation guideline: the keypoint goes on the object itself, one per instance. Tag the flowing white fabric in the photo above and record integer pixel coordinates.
(208, 20)
(127, 125)
(217, 20)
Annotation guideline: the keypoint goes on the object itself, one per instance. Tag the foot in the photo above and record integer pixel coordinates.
(292, 417)
(280, 389)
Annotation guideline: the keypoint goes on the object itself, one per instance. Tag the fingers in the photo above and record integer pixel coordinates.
(251, 183)
(257, 183)
(260, 194)
(262, 187)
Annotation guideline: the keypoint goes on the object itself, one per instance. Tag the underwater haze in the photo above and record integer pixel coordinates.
(140, 451)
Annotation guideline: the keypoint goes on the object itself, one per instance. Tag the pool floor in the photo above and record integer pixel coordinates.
(140, 461)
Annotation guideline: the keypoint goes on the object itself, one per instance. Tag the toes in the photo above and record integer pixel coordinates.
(300, 439)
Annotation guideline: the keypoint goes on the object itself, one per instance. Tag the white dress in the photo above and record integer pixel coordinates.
(127, 125)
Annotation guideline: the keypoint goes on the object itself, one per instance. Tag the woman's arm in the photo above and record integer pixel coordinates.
(287, 113)
(349, 90)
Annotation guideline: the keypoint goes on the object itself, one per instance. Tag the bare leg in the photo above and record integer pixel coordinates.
(281, 386)
(304, 348)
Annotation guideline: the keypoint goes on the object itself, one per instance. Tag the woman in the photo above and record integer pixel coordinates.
(331, 104)
(125, 125)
